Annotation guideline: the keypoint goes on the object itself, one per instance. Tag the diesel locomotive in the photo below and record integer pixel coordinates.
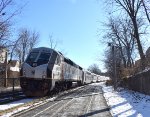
(46, 69)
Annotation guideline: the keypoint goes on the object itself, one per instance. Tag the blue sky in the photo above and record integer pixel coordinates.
(74, 23)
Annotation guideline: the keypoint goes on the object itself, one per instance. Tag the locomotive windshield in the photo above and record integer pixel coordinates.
(32, 57)
(38, 59)
(43, 58)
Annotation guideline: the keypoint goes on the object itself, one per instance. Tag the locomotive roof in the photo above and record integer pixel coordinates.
(41, 48)
(46, 49)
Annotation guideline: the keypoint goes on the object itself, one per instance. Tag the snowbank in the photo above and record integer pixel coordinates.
(14, 69)
(126, 103)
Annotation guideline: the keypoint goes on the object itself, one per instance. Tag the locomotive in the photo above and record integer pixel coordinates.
(46, 69)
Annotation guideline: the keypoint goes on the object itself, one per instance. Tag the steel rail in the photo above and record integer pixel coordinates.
(56, 104)
(44, 102)
(89, 104)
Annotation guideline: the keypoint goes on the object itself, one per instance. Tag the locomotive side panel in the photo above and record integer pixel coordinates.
(71, 71)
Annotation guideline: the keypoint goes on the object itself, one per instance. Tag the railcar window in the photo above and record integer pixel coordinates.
(32, 57)
(43, 58)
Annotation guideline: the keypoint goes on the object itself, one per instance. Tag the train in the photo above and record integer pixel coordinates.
(46, 69)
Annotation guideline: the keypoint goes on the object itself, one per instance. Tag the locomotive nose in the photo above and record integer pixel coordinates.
(32, 87)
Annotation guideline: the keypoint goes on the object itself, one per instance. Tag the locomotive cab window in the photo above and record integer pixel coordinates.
(32, 57)
(43, 58)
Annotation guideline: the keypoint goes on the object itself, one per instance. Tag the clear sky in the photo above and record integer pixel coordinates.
(74, 23)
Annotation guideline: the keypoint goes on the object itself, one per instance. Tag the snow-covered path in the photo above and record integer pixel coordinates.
(126, 103)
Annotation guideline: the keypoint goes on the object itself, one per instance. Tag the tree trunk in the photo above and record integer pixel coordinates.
(123, 58)
(146, 12)
(140, 49)
(128, 56)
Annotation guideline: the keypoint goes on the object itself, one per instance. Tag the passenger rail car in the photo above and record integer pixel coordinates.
(88, 77)
(45, 70)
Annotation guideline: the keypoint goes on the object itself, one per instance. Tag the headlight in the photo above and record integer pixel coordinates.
(44, 74)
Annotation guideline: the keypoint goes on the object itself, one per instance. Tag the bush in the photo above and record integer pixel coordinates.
(109, 82)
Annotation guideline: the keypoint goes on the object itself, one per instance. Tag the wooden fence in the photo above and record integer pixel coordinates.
(139, 82)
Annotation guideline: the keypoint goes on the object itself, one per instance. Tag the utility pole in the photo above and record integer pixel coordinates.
(113, 47)
(5, 64)
(114, 67)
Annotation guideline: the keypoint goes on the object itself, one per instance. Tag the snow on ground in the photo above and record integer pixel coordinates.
(19, 109)
(14, 69)
(13, 104)
(126, 103)
(123, 102)
(20, 102)
(8, 89)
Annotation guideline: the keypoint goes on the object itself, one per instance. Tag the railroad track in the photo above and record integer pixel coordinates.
(11, 96)
(38, 102)
(54, 102)
(55, 106)
(61, 105)
(79, 101)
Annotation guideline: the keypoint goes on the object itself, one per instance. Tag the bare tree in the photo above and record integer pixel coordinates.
(113, 64)
(109, 62)
(94, 68)
(4, 21)
(146, 6)
(53, 42)
(25, 42)
(6, 15)
(131, 8)
(5, 34)
(120, 35)
(34, 39)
